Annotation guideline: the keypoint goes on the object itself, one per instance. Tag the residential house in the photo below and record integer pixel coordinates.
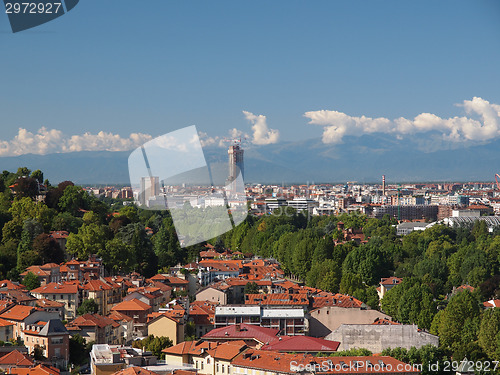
(138, 311)
(126, 329)
(47, 273)
(40, 369)
(202, 314)
(51, 306)
(252, 361)
(52, 337)
(386, 284)
(71, 271)
(21, 316)
(15, 359)
(176, 283)
(96, 328)
(163, 325)
(212, 294)
(101, 292)
(61, 292)
(107, 359)
(252, 335)
(6, 330)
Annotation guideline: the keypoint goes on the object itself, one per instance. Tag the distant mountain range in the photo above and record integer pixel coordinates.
(362, 159)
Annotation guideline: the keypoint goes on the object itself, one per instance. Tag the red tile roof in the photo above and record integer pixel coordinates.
(18, 312)
(391, 280)
(281, 362)
(135, 370)
(243, 332)
(93, 320)
(10, 285)
(56, 288)
(47, 303)
(96, 286)
(284, 299)
(302, 344)
(337, 299)
(384, 322)
(182, 348)
(492, 303)
(16, 358)
(5, 323)
(37, 370)
(132, 305)
(227, 351)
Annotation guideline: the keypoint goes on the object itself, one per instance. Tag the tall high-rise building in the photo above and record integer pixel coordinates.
(235, 161)
(150, 187)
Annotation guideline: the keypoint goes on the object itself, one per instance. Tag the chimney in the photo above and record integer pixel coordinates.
(238, 328)
(383, 184)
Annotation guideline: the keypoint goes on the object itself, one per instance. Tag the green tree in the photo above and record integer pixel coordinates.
(154, 344)
(31, 281)
(457, 321)
(90, 239)
(118, 257)
(37, 175)
(78, 350)
(73, 199)
(489, 333)
(88, 306)
(251, 288)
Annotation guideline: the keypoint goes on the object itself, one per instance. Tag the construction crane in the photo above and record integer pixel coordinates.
(497, 176)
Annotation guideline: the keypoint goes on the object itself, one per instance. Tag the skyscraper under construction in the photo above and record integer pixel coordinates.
(235, 161)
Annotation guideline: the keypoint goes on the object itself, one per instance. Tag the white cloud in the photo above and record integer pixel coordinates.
(484, 127)
(47, 141)
(262, 135)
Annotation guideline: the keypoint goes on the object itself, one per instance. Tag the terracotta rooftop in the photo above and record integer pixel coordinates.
(242, 332)
(16, 358)
(384, 322)
(132, 305)
(280, 363)
(10, 285)
(93, 320)
(302, 344)
(492, 303)
(182, 348)
(56, 288)
(227, 351)
(284, 299)
(337, 299)
(37, 370)
(135, 370)
(390, 280)
(18, 312)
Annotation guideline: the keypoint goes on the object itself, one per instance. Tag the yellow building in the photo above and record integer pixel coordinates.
(163, 325)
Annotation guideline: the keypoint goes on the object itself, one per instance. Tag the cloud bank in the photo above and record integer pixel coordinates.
(262, 135)
(481, 124)
(47, 141)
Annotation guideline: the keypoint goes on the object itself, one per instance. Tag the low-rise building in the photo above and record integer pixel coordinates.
(52, 337)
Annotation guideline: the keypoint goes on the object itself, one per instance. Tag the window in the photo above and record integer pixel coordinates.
(217, 367)
(223, 368)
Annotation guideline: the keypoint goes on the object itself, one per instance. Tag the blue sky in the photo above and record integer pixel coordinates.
(124, 66)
